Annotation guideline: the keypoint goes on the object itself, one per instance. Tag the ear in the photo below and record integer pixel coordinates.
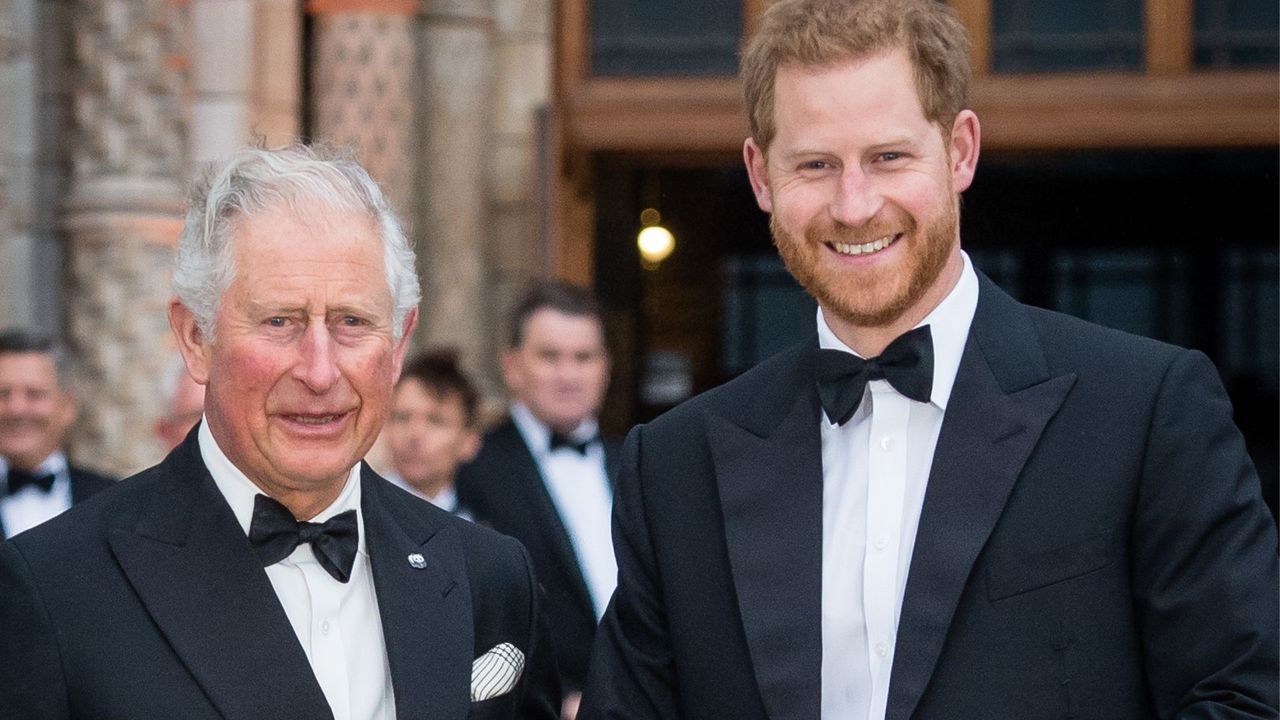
(966, 140)
(758, 171)
(191, 342)
(402, 347)
(469, 446)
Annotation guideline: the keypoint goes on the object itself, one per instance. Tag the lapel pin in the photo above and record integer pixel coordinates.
(417, 561)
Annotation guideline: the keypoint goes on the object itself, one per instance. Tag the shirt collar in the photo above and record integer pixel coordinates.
(948, 325)
(538, 436)
(446, 499)
(56, 464)
(240, 492)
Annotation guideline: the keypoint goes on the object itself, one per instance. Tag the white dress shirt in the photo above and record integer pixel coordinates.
(874, 472)
(31, 505)
(337, 623)
(579, 489)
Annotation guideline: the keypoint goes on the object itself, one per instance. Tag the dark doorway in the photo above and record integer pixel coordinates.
(1183, 246)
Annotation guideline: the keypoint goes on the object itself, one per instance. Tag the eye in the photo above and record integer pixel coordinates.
(277, 321)
(352, 321)
(890, 156)
(815, 165)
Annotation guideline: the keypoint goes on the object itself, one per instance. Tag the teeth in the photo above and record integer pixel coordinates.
(865, 248)
(312, 420)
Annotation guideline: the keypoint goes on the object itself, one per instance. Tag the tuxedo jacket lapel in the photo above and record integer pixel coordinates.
(426, 612)
(192, 567)
(768, 467)
(543, 513)
(1003, 397)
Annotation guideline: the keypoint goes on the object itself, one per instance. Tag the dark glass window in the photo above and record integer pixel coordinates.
(1237, 34)
(765, 311)
(1031, 36)
(665, 37)
(1141, 290)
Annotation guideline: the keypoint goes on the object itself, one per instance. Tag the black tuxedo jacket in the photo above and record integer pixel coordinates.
(84, 484)
(148, 602)
(504, 487)
(1092, 544)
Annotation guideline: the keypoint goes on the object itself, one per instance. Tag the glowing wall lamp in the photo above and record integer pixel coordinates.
(655, 241)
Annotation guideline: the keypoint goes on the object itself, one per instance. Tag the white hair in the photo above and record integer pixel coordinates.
(253, 180)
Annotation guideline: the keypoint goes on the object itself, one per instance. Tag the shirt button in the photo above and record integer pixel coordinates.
(886, 443)
(324, 627)
(881, 542)
(882, 649)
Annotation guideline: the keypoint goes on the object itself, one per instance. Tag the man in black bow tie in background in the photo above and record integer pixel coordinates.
(544, 476)
(944, 504)
(261, 570)
(37, 408)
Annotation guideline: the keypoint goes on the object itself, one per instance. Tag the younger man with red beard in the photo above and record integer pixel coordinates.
(944, 504)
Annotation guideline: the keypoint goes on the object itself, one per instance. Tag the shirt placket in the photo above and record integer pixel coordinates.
(328, 649)
(886, 495)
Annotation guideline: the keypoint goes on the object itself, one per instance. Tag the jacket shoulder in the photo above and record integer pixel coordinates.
(85, 524)
(1073, 344)
(770, 384)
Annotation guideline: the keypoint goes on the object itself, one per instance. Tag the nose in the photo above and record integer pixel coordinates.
(317, 365)
(567, 371)
(856, 200)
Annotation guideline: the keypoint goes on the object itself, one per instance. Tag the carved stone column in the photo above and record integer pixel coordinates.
(221, 76)
(17, 162)
(277, 71)
(456, 87)
(362, 83)
(123, 219)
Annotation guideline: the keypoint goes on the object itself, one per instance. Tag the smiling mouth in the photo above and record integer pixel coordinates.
(316, 420)
(865, 248)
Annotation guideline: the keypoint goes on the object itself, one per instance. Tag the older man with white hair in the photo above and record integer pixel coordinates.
(262, 570)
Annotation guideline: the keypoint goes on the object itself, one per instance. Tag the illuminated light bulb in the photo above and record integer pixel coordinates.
(655, 243)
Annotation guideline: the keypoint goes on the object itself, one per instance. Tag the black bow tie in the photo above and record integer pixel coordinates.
(274, 533)
(19, 479)
(907, 364)
(560, 440)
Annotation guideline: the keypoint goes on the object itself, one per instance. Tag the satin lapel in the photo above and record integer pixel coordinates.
(1002, 400)
(426, 611)
(545, 517)
(768, 466)
(191, 565)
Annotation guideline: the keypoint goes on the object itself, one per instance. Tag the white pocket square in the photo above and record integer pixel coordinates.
(496, 672)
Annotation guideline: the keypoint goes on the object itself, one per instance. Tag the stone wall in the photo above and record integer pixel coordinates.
(108, 103)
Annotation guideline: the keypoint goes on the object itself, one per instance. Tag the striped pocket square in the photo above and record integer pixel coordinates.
(496, 672)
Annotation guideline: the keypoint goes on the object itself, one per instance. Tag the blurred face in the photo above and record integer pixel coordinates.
(560, 370)
(35, 411)
(183, 413)
(428, 436)
(299, 378)
(862, 189)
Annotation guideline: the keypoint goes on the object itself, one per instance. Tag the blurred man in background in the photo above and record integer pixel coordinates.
(432, 428)
(544, 476)
(183, 404)
(37, 408)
